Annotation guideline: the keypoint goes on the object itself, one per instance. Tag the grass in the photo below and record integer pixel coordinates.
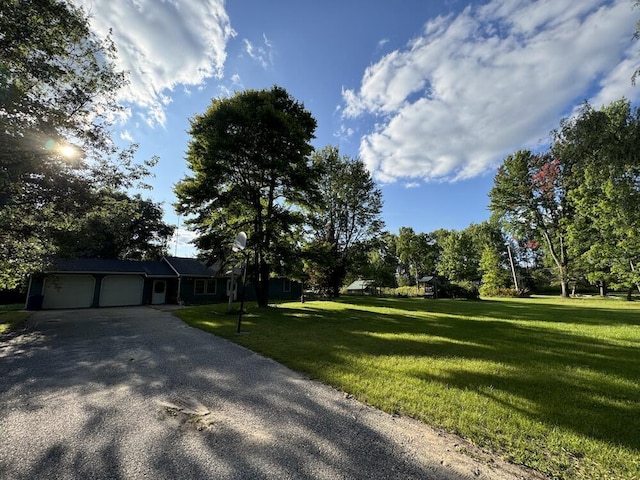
(550, 383)
(11, 317)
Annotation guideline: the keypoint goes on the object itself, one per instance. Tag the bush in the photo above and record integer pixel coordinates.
(408, 291)
(487, 291)
(465, 289)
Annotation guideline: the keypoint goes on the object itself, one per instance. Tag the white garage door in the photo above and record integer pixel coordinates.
(121, 290)
(68, 291)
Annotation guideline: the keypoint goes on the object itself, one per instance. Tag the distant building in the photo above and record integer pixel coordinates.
(362, 287)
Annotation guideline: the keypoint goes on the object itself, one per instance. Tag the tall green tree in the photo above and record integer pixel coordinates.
(459, 260)
(603, 147)
(381, 263)
(346, 219)
(494, 274)
(530, 195)
(117, 225)
(58, 87)
(417, 252)
(249, 158)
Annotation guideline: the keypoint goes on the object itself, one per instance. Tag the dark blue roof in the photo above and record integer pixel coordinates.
(192, 267)
(167, 267)
(103, 265)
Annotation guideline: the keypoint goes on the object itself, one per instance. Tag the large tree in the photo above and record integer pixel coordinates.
(58, 84)
(459, 259)
(345, 219)
(58, 87)
(603, 147)
(530, 194)
(418, 254)
(117, 225)
(249, 157)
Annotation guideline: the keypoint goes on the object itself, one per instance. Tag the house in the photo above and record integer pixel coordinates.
(91, 282)
(361, 287)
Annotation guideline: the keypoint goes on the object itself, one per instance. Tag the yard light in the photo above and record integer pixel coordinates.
(239, 245)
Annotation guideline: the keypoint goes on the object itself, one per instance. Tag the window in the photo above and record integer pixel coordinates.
(286, 285)
(205, 287)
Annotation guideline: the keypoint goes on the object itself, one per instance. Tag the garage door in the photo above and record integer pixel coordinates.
(68, 291)
(121, 290)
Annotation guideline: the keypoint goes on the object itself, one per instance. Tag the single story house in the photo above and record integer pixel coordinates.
(90, 282)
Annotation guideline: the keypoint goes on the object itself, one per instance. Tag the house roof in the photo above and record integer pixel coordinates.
(426, 279)
(167, 267)
(192, 267)
(360, 285)
(104, 265)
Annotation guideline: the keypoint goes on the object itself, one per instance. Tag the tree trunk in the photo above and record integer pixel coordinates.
(561, 262)
(262, 284)
(337, 277)
(603, 289)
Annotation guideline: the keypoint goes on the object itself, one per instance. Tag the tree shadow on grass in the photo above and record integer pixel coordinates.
(585, 384)
(527, 309)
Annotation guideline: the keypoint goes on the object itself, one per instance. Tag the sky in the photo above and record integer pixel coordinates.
(431, 95)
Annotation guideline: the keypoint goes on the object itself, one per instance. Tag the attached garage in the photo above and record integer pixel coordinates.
(121, 290)
(68, 291)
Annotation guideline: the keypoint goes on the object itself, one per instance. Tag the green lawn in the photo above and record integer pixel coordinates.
(11, 317)
(545, 382)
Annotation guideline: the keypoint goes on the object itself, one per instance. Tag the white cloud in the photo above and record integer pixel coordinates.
(476, 86)
(126, 136)
(344, 133)
(183, 237)
(263, 54)
(412, 185)
(163, 45)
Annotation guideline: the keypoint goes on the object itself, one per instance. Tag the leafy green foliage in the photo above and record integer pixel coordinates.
(459, 259)
(418, 254)
(344, 221)
(58, 164)
(117, 226)
(530, 195)
(603, 147)
(494, 275)
(58, 84)
(381, 263)
(249, 160)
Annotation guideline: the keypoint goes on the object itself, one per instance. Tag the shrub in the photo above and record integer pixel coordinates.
(487, 291)
(464, 289)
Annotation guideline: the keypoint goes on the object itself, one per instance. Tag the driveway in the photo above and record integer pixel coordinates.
(135, 393)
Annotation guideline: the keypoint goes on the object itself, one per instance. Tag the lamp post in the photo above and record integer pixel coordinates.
(239, 245)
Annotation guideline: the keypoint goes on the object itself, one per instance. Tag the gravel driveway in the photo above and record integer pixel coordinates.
(135, 393)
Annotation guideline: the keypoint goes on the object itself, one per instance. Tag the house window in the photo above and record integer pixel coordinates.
(286, 285)
(205, 287)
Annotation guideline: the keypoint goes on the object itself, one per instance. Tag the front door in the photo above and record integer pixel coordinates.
(159, 292)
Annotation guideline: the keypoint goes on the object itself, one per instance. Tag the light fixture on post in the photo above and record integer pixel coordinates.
(239, 245)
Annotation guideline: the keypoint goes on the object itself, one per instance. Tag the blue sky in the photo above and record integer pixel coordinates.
(432, 95)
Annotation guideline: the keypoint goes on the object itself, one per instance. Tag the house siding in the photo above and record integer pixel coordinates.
(189, 297)
(276, 290)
